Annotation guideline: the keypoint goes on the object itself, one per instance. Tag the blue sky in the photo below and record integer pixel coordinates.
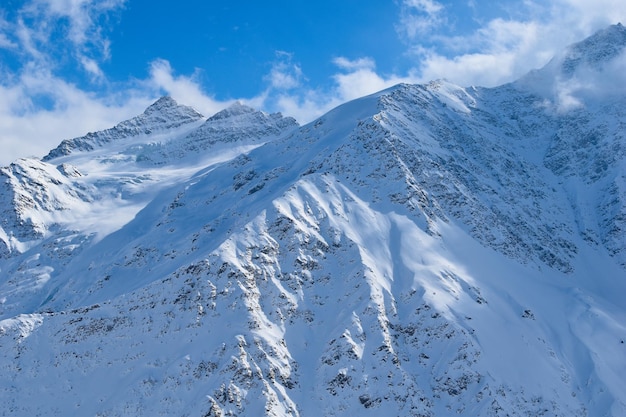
(72, 66)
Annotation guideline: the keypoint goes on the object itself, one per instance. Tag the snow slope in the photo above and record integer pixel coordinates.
(428, 250)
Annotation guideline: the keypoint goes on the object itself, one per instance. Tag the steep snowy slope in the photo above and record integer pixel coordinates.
(428, 250)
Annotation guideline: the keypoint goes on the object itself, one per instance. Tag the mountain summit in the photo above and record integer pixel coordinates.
(595, 51)
(427, 250)
(589, 72)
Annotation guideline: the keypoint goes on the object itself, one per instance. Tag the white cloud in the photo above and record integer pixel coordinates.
(305, 106)
(27, 41)
(361, 79)
(30, 130)
(284, 75)
(5, 30)
(502, 50)
(585, 17)
(361, 63)
(6, 43)
(80, 15)
(92, 67)
(497, 51)
(418, 17)
(38, 23)
(37, 104)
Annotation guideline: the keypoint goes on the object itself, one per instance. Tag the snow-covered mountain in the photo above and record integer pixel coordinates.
(428, 250)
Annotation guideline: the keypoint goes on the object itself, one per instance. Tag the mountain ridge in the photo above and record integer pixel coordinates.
(605, 45)
(429, 249)
(163, 114)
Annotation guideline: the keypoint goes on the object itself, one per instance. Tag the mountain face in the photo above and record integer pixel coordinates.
(427, 250)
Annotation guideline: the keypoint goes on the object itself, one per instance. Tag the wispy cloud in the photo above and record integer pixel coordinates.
(584, 17)
(285, 74)
(6, 29)
(44, 27)
(28, 128)
(492, 55)
(359, 78)
(418, 17)
(36, 101)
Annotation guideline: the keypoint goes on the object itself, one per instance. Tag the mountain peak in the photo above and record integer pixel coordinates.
(235, 109)
(583, 71)
(170, 108)
(595, 51)
(240, 115)
(165, 102)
